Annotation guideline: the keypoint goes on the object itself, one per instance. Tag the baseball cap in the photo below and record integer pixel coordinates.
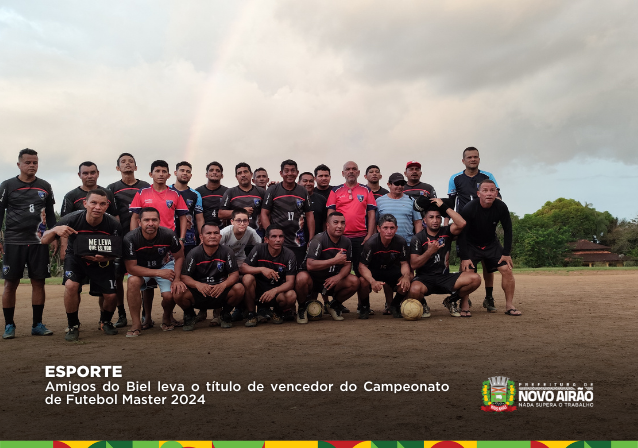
(412, 162)
(395, 177)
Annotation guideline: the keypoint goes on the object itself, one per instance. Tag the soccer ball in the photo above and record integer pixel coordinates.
(314, 310)
(411, 309)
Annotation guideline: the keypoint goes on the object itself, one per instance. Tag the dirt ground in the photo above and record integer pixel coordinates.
(579, 327)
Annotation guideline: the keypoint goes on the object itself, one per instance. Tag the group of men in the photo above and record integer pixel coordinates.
(258, 251)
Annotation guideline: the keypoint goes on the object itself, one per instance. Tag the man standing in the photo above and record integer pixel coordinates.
(193, 200)
(373, 176)
(462, 189)
(480, 243)
(74, 199)
(97, 269)
(415, 187)
(317, 205)
(24, 199)
(401, 207)
(322, 176)
(212, 191)
(260, 178)
(245, 195)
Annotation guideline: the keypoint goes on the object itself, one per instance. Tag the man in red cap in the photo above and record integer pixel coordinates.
(415, 187)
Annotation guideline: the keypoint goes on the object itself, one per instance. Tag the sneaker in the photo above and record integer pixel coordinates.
(262, 315)
(227, 320)
(9, 332)
(344, 309)
(489, 304)
(201, 316)
(450, 304)
(236, 316)
(252, 320)
(72, 333)
(276, 318)
(108, 328)
(426, 310)
(40, 330)
(189, 322)
(370, 312)
(214, 322)
(289, 315)
(335, 309)
(121, 321)
(395, 311)
(302, 316)
(364, 312)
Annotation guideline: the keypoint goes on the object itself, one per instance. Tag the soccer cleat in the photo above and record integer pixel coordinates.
(189, 322)
(426, 309)
(262, 315)
(364, 312)
(72, 333)
(108, 328)
(450, 304)
(227, 320)
(276, 318)
(489, 304)
(121, 321)
(302, 316)
(335, 309)
(395, 311)
(40, 330)
(289, 315)
(9, 331)
(236, 316)
(252, 320)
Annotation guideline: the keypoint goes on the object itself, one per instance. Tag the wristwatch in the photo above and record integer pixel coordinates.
(183, 240)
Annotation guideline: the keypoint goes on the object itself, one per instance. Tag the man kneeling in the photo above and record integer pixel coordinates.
(269, 276)
(211, 275)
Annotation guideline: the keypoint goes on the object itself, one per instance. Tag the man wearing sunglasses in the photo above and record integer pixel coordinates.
(399, 205)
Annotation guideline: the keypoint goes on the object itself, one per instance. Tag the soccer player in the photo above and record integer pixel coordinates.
(97, 270)
(373, 176)
(212, 191)
(211, 275)
(462, 189)
(415, 187)
(245, 195)
(480, 243)
(317, 206)
(322, 177)
(286, 205)
(146, 254)
(24, 199)
(384, 265)
(428, 255)
(193, 200)
(260, 178)
(326, 269)
(269, 276)
(400, 205)
(123, 191)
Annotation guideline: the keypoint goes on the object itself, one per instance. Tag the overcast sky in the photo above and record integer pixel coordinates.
(547, 90)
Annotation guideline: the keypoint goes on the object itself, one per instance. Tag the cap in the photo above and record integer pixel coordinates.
(412, 162)
(395, 177)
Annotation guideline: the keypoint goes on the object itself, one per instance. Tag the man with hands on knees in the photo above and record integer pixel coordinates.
(147, 256)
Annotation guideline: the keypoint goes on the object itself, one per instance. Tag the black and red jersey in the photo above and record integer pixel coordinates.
(210, 269)
(323, 248)
(420, 189)
(288, 210)
(377, 256)
(124, 194)
(153, 253)
(74, 201)
(237, 198)
(437, 263)
(284, 264)
(211, 200)
(77, 221)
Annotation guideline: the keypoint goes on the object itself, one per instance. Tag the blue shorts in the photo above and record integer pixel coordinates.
(164, 285)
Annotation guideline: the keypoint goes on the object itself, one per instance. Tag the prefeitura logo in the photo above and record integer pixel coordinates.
(498, 394)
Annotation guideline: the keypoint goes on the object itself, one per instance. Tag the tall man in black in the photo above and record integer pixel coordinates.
(373, 176)
(27, 202)
(317, 205)
(124, 191)
(193, 200)
(480, 243)
(212, 191)
(322, 177)
(146, 254)
(429, 249)
(245, 195)
(98, 270)
(269, 276)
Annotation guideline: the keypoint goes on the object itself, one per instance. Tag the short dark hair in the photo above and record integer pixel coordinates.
(372, 166)
(335, 214)
(258, 170)
(28, 152)
(183, 163)
(288, 162)
(387, 218)
(214, 222)
(217, 164)
(242, 165)
(469, 148)
(305, 173)
(272, 227)
(125, 154)
(97, 191)
(238, 211)
(322, 167)
(149, 210)
(160, 163)
(87, 164)
(486, 181)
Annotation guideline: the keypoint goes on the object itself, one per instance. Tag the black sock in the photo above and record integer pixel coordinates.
(121, 311)
(398, 298)
(72, 319)
(8, 315)
(366, 302)
(106, 316)
(37, 314)
(488, 291)
(190, 311)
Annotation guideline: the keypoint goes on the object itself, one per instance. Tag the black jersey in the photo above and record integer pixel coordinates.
(323, 248)
(325, 193)
(377, 256)
(420, 189)
(380, 192)
(124, 194)
(153, 253)
(74, 201)
(480, 230)
(284, 264)
(462, 188)
(193, 202)
(237, 198)
(28, 208)
(211, 269)
(211, 200)
(288, 210)
(437, 263)
(77, 221)
(319, 210)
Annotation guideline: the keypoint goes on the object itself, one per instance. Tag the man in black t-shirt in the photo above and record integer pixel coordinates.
(322, 177)
(286, 205)
(245, 195)
(211, 274)
(98, 270)
(147, 254)
(212, 191)
(74, 199)
(326, 269)
(429, 249)
(269, 276)
(317, 204)
(480, 243)
(384, 262)
(27, 202)
(124, 191)
(415, 188)
(373, 176)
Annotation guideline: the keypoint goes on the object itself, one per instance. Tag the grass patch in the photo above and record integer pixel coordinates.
(48, 281)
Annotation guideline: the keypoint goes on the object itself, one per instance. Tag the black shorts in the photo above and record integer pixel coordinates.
(388, 276)
(300, 254)
(357, 243)
(489, 255)
(100, 276)
(439, 283)
(203, 302)
(317, 284)
(120, 267)
(34, 256)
